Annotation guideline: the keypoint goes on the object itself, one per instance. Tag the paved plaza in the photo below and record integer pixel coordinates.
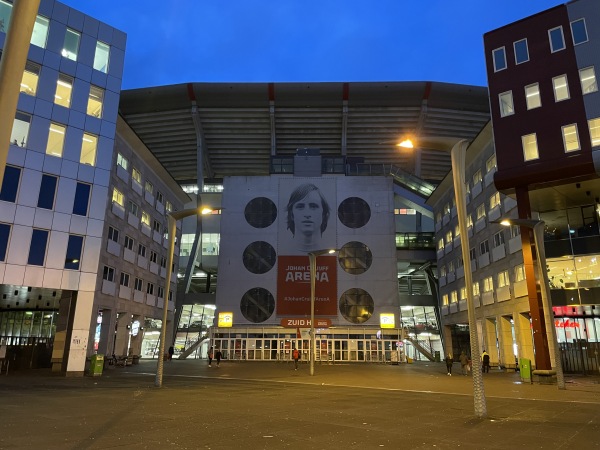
(269, 405)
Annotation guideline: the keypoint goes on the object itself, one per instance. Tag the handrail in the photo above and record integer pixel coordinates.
(401, 176)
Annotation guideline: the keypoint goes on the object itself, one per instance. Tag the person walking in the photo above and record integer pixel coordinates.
(171, 352)
(210, 357)
(218, 356)
(485, 360)
(464, 362)
(449, 362)
(296, 356)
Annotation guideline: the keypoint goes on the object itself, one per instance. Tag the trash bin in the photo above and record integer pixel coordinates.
(525, 369)
(96, 365)
(436, 356)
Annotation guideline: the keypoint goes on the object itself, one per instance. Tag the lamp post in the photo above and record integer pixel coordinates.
(312, 259)
(538, 239)
(172, 219)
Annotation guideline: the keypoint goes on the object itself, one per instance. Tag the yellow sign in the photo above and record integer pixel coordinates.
(387, 321)
(225, 320)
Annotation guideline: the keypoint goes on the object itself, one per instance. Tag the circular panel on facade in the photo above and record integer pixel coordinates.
(355, 258)
(356, 305)
(354, 212)
(257, 305)
(259, 257)
(260, 212)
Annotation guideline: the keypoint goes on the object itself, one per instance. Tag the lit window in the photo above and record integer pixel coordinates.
(445, 299)
(118, 197)
(443, 271)
(488, 284)
(20, 129)
(122, 161)
(441, 244)
(95, 100)
(136, 175)
(168, 206)
(71, 44)
(495, 200)
(561, 88)
(490, 164)
(463, 293)
(587, 77)
(507, 107)
(449, 237)
(456, 231)
(557, 39)
(530, 148)
(149, 187)
(450, 266)
(480, 211)
(475, 288)
(469, 221)
(453, 297)
(499, 56)
(570, 138)
(594, 126)
(145, 218)
(31, 75)
(532, 96)
(519, 273)
(521, 51)
(56, 140)
(477, 177)
(101, 57)
(503, 279)
(64, 87)
(39, 35)
(579, 31)
(88, 149)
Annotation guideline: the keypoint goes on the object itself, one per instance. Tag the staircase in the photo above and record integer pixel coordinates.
(188, 351)
(422, 347)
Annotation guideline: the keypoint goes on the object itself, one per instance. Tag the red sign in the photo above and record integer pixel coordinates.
(565, 324)
(305, 323)
(293, 286)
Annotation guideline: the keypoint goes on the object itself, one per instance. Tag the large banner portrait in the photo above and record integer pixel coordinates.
(307, 222)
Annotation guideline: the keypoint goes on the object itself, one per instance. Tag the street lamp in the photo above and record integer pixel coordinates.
(312, 259)
(538, 239)
(172, 218)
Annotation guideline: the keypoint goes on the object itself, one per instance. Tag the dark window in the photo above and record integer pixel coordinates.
(356, 305)
(355, 258)
(82, 199)
(4, 235)
(259, 257)
(108, 274)
(153, 256)
(521, 51)
(74, 247)
(354, 212)
(579, 31)
(257, 305)
(557, 40)
(10, 184)
(260, 212)
(113, 234)
(150, 289)
(37, 250)
(124, 281)
(47, 192)
(138, 284)
(128, 242)
(142, 250)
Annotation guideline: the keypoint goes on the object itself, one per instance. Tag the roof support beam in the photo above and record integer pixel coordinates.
(272, 119)
(346, 90)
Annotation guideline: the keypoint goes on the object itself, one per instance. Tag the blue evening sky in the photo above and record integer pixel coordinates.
(180, 41)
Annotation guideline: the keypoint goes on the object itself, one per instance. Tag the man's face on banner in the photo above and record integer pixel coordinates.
(308, 214)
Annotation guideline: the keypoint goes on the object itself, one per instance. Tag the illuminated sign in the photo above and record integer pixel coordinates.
(305, 323)
(387, 320)
(225, 320)
(135, 327)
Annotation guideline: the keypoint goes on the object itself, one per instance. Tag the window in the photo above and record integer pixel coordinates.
(129, 242)
(475, 288)
(168, 206)
(472, 254)
(570, 138)
(88, 149)
(142, 250)
(481, 211)
(459, 262)
(40, 32)
(450, 266)
(469, 221)
(495, 200)
(150, 288)
(477, 177)
(561, 88)
(47, 192)
(132, 208)
(557, 39)
(56, 140)
(149, 187)
(519, 273)
(530, 148)
(95, 100)
(113, 234)
(532, 96)
(503, 279)
(587, 77)
(498, 239)
(515, 231)
(453, 297)
(20, 129)
(445, 299)
(594, 126)
(441, 244)
(484, 247)
(507, 107)
(457, 231)
(108, 274)
(64, 88)
(499, 56)
(463, 293)
(122, 161)
(101, 57)
(136, 175)
(5, 12)
(521, 51)
(138, 284)
(488, 284)
(145, 218)
(37, 249)
(10, 184)
(443, 271)
(438, 217)
(153, 256)
(579, 31)
(490, 164)
(71, 44)
(449, 237)
(31, 75)
(4, 236)
(73, 257)
(124, 280)
(447, 209)
(159, 197)
(161, 292)
(163, 262)
(118, 197)
(156, 225)
(82, 199)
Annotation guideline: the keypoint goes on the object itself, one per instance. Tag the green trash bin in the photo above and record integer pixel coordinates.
(525, 369)
(436, 356)
(96, 365)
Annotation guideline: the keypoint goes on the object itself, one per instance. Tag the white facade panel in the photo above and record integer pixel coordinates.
(98, 200)
(18, 248)
(90, 254)
(34, 276)
(24, 215)
(44, 218)
(57, 250)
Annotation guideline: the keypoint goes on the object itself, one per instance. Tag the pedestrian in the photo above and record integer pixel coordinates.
(218, 356)
(171, 352)
(464, 362)
(449, 362)
(296, 356)
(210, 357)
(485, 359)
